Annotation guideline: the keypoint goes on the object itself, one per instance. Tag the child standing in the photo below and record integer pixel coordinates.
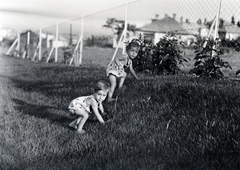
(116, 68)
(81, 106)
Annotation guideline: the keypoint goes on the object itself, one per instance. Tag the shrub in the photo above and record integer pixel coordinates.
(162, 58)
(67, 53)
(208, 62)
(99, 41)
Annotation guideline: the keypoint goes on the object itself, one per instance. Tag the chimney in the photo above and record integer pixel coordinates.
(205, 21)
(166, 15)
(187, 20)
(157, 16)
(174, 16)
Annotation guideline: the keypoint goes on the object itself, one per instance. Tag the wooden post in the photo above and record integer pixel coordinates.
(75, 51)
(125, 26)
(13, 44)
(56, 45)
(217, 20)
(119, 42)
(18, 45)
(40, 45)
(24, 54)
(28, 44)
(36, 51)
(26, 51)
(216, 29)
(122, 36)
(81, 41)
(210, 31)
(49, 55)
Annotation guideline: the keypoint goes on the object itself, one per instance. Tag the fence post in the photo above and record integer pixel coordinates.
(40, 45)
(28, 44)
(75, 51)
(216, 28)
(120, 39)
(81, 41)
(13, 44)
(217, 20)
(125, 25)
(18, 45)
(36, 51)
(210, 31)
(56, 45)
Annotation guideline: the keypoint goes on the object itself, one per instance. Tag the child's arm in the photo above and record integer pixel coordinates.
(118, 59)
(101, 108)
(94, 105)
(133, 72)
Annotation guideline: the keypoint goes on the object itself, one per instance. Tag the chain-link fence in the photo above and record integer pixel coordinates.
(89, 39)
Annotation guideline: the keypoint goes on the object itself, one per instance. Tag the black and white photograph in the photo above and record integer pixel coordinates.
(120, 85)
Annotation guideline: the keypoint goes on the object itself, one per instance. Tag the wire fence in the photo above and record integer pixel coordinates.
(93, 38)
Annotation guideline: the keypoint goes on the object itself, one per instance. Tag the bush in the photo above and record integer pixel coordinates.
(99, 41)
(67, 53)
(162, 58)
(208, 63)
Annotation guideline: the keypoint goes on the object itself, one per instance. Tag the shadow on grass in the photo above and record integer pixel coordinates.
(43, 112)
(51, 113)
(53, 80)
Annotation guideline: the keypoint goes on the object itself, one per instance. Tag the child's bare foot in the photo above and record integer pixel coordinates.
(73, 125)
(111, 100)
(81, 131)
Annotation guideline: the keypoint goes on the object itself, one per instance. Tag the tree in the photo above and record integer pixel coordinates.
(117, 27)
(199, 21)
(233, 20)
(221, 23)
(238, 23)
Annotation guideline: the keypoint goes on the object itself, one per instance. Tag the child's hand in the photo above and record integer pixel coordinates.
(104, 113)
(138, 78)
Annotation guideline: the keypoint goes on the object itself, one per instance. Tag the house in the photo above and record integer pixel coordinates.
(232, 31)
(160, 27)
(194, 30)
(49, 40)
(187, 32)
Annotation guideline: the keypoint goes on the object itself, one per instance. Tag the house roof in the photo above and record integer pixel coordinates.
(164, 25)
(193, 28)
(230, 28)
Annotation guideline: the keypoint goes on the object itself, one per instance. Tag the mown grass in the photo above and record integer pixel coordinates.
(161, 122)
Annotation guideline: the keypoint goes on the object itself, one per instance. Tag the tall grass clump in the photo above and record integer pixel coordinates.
(161, 122)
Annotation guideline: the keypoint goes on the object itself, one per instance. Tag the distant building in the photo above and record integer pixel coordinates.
(232, 31)
(160, 27)
(187, 31)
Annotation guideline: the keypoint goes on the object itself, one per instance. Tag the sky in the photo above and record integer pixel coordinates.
(35, 14)
(21, 14)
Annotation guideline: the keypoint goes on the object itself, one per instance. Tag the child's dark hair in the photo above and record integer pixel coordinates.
(102, 85)
(133, 43)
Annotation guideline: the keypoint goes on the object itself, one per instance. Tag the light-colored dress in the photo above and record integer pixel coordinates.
(81, 103)
(116, 70)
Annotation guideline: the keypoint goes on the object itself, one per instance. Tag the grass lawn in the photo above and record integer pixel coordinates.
(162, 122)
